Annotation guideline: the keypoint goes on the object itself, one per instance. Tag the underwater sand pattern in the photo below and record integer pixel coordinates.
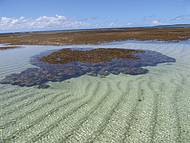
(151, 108)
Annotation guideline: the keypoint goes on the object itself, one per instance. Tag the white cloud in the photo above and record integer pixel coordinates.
(152, 21)
(156, 22)
(10, 24)
(181, 17)
(40, 23)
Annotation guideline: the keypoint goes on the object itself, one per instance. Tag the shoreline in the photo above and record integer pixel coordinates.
(99, 36)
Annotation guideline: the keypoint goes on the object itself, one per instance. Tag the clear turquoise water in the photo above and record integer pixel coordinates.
(154, 107)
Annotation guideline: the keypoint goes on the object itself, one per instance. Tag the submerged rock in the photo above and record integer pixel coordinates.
(56, 68)
(43, 86)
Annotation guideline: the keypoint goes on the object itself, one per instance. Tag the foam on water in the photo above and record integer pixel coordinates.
(119, 108)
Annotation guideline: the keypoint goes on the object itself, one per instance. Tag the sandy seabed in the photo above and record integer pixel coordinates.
(154, 107)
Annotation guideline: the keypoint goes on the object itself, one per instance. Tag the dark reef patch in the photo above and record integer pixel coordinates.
(68, 63)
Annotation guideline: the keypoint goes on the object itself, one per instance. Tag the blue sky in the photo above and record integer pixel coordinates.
(93, 13)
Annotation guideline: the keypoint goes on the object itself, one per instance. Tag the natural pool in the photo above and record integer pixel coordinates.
(154, 107)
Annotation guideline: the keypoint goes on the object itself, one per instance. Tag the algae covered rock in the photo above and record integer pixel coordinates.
(69, 63)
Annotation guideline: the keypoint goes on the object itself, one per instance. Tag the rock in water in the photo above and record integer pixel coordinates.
(43, 86)
(68, 63)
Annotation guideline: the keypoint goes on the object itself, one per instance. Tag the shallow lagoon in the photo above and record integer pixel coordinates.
(154, 107)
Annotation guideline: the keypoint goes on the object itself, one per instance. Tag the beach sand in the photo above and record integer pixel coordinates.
(153, 107)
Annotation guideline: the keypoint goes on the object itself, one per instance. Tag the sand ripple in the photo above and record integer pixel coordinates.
(148, 108)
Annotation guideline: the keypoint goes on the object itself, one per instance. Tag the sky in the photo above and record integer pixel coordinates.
(30, 15)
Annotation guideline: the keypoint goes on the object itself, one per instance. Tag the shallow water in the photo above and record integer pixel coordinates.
(154, 107)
